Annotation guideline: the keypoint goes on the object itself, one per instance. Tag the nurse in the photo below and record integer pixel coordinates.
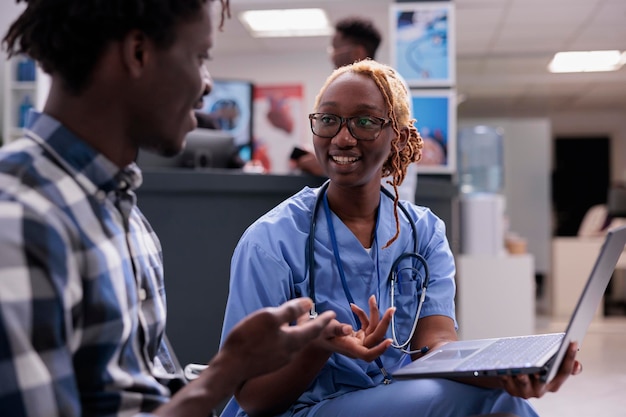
(351, 233)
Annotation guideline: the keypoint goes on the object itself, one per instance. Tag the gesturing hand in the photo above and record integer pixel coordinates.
(373, 327)
(264, 341)
(368, 343)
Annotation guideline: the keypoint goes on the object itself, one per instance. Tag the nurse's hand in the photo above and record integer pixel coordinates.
(530, 386)
(373, 327)
(368, 343)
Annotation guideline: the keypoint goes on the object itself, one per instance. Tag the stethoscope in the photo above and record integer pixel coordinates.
(394, 273)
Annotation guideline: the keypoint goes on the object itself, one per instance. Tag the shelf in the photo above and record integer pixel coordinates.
(15, 93)
(23, 86)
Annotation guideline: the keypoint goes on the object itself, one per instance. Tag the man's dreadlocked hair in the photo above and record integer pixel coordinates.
(396, 99)
(67, 37)
(360, 31)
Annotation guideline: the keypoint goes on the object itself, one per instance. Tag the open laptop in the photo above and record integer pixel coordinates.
(534, 354)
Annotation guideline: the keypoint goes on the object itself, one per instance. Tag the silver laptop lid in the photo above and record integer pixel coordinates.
(592, 293)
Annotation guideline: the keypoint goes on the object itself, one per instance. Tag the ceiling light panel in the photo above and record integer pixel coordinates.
(286, 22)
(587, 61)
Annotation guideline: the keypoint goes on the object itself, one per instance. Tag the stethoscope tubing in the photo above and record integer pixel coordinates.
(310, 259)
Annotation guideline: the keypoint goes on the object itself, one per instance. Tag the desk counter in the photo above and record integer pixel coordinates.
(199, 216)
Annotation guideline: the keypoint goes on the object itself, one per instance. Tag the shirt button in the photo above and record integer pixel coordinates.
(142, 294)
(123, 184)
(101, 196)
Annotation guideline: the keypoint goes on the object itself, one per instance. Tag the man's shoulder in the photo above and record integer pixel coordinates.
(31, 179)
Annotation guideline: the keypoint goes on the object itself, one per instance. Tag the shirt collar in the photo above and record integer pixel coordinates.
(83, 162)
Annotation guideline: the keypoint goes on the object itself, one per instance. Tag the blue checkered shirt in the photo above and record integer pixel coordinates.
(82, 305)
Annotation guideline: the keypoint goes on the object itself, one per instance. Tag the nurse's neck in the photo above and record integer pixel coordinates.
(357, 210)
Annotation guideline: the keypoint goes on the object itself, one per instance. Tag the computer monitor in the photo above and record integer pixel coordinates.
(229, 105)
(616, 201)
(204, 148)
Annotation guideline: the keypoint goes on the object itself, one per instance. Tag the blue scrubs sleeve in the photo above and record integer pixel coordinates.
(257, 280)
(434, 246)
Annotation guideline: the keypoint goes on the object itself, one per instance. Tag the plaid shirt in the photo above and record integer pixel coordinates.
(82, 305)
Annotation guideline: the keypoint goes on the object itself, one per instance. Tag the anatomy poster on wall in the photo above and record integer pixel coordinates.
(278, 125)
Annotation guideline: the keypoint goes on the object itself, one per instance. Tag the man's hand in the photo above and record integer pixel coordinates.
(264, 341)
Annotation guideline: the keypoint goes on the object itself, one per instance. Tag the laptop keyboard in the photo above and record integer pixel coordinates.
(512, 352)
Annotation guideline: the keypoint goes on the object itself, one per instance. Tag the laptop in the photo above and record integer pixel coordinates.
(535, 354)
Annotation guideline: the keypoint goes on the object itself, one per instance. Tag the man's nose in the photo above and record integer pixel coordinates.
(207, 80)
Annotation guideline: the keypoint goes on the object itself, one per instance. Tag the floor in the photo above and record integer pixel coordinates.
(601, 388)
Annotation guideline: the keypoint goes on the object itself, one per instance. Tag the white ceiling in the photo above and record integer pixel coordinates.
(503, 49)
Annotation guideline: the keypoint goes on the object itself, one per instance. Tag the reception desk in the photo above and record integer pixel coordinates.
(199, 216)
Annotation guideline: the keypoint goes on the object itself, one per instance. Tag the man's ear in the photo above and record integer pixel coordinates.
(135, 52)
(359, 53)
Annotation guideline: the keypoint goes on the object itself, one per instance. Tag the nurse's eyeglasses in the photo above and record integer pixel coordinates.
(327, 125)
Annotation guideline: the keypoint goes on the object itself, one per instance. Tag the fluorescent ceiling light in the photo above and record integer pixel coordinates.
(587, 61)
(286, 22)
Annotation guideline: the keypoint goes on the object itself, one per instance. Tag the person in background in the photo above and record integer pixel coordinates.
(357, 38)
(82, 301)
(342, 241)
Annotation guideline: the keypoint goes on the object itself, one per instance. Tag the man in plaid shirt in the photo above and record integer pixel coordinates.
(82, 303)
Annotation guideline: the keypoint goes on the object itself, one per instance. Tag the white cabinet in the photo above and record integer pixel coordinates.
(573, 259)
(25, 86)
(495, 295)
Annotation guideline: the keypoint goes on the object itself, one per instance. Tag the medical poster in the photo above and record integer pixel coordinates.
(422, 43)
(229, 106)
(435, 112)
(278, 125)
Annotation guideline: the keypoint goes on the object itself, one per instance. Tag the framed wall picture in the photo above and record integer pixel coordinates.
(278, 124)
(229, 106)
(423, 43)
(435, 114)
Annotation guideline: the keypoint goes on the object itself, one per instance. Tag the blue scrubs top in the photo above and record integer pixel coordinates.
(268, 268)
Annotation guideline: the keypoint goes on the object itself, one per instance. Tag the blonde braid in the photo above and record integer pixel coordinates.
(225, 13)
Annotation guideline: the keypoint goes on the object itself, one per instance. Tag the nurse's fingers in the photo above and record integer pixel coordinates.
(365, 322)
(379, 332)
(370, 354)
(374, 313)
(569, 366)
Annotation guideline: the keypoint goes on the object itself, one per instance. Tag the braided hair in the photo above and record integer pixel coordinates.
(68, 37)
(396, 99)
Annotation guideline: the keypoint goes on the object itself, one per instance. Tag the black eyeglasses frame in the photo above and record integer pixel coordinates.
(384, 122)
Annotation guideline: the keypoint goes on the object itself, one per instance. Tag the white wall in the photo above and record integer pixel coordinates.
(527, 166)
